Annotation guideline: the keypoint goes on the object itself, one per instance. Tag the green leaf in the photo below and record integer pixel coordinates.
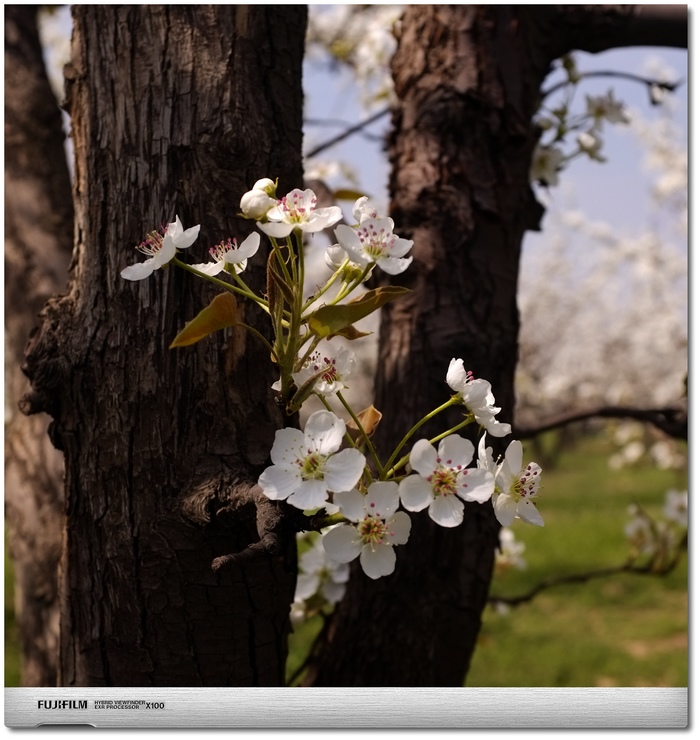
(347, 194)
(219, 314)
(331, 320)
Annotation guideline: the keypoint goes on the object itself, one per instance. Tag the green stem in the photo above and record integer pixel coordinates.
(389, 467)
(322, 291)
(405, 458)
(247, 292)
(370, 446)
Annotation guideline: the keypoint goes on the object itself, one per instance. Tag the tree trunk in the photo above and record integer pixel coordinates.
(176, 110)
(38, 243)
(468, 84)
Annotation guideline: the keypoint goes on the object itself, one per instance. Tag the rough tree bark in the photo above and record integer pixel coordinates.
(175, 110)
(38, 243)
(468, 82)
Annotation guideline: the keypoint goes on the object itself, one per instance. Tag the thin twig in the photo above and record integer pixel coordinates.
(670, 86)
(348, 132)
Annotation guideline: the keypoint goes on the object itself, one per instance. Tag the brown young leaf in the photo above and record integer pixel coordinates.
(219, 314)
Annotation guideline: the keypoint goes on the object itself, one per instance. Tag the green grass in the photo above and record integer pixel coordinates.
(12, 659)
(621, 630)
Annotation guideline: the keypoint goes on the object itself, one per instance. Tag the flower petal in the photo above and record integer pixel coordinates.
(309, 494)
(307, 585)
(278, 483)
(343, 470)
(379, 561)
(351, 503)
(394, 265)
(455, 450)
(324, 432)
(275, 230)
(476, 485)
(423, 457)
(447, 511)
(514, 457)
(456, 375)
(166, 252)
(140, 270)
(382, 498)
(210, 268)
(399, 527)
(415, 493)
(288, 447)
(505, 508)
(342, 543)
(527, 511)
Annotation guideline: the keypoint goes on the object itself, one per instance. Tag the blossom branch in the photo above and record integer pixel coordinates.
(670, 86)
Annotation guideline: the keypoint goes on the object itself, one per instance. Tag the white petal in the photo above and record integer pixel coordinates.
(276, 230)
(166, 252)
(378, 562)
(278, 483)
(415, 493)
(307, 585)
(527, 511)
(447, 511)
(187, 238)
(382, 498)
(505, 509)
(455, 450)
(399, 527)
(288, 447)
(309, 494)
(497, 428)
(342, 471)
(514, 456)
(400, 247)
(423, 457)
(248, 248)
(457, 375)
(342, 543)
(140, 270)
(351, 503)
(333, 592)
(394, 265)
(479, 486)
(324, 432)
(210, 268)
(348, 238)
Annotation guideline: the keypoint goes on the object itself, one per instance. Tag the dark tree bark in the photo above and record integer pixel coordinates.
(468, 82)
(38, 243)
(176, 110)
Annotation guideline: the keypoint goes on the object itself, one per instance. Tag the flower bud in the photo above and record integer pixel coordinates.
(256, 203)
(267, 186)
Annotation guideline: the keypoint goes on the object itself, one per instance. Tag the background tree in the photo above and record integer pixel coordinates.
(468, 81)
(38, 243)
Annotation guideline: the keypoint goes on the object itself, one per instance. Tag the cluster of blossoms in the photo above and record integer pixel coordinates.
(323, 470)
(558, 123)
(658, 539)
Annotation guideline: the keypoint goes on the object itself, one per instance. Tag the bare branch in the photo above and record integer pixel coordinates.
(670, 86)
(672, 421)
(348, 132)
(650, 568)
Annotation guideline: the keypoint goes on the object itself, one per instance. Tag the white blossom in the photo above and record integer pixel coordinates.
(517, 488)
(443, 478)
(229, 253)
(319, 573)
(546, 163)
(160, 248)
(477, 397)
(297, 210)
(373, 241)
(306, 465)
(335, 363)
(376, 526)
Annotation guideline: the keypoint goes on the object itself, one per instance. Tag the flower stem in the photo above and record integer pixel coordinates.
(370, 446)
(390, 467)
